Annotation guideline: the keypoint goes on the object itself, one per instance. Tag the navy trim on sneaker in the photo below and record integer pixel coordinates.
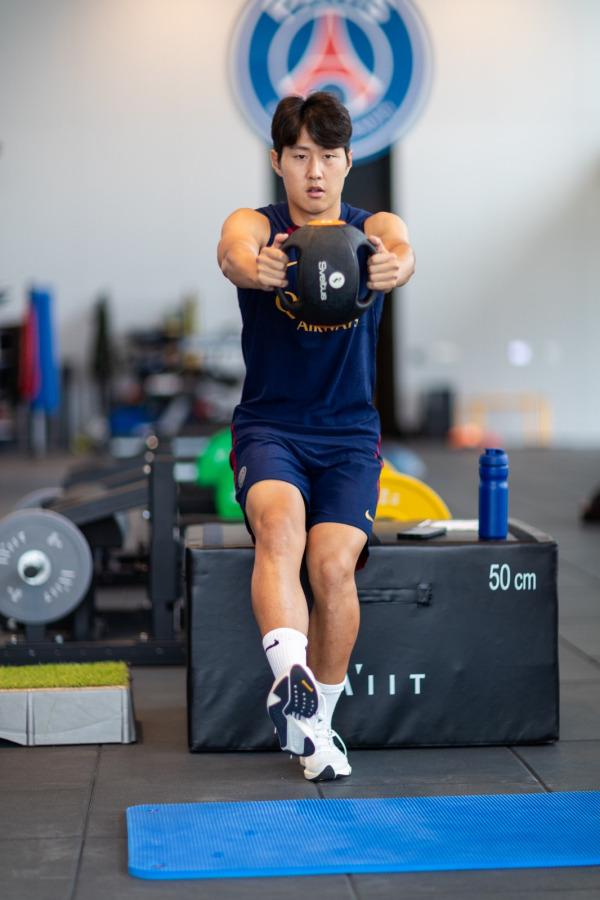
(292, 700)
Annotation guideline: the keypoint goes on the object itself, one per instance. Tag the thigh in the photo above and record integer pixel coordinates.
(257, 458)
(345, 489)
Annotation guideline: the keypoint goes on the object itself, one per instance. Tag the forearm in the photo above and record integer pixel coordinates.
(239, 264)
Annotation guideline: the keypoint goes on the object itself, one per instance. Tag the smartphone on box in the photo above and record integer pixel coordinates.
(422, 531)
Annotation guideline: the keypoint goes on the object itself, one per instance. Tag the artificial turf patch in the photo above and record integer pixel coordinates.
(64, 675)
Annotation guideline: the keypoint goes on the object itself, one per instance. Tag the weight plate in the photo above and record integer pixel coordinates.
(45, 566)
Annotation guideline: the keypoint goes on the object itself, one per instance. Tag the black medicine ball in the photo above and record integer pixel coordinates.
(328, 273)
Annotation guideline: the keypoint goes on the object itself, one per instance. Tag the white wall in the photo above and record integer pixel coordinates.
(500, 188)
(122, 151)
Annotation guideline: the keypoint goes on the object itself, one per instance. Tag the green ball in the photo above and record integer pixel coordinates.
(211, 464)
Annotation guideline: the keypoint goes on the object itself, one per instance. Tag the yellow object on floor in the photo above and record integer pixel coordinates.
(405, 498)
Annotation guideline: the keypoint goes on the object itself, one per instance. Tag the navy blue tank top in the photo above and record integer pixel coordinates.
(306, 379)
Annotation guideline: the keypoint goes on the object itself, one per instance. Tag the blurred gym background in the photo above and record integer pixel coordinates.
(125, 142)
(123, 148)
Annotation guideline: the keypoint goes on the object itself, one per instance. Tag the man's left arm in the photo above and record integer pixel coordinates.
(393, 263)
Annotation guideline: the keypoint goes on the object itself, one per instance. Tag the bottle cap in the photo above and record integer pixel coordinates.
(493, 456)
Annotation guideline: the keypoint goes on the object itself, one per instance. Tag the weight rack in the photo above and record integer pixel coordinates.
(150, 485)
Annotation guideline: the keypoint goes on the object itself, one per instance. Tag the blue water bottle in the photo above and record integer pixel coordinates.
(493, 495)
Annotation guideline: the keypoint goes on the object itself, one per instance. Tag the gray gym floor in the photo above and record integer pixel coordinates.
(62, 809)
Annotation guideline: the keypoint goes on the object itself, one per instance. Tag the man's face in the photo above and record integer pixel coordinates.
(313, 178)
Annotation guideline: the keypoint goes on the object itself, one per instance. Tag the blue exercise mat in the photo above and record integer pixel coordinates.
(313, 837)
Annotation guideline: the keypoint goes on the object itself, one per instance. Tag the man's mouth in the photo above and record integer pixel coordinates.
(315, 192)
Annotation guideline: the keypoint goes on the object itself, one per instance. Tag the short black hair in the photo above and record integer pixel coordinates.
(322, 114)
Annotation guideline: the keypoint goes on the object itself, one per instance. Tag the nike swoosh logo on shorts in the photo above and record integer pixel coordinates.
(368, 516)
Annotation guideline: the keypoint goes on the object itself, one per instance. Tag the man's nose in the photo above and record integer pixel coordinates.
(314, 168)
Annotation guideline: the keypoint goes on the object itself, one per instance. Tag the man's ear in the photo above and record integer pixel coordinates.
(275, 162)
(349, 161)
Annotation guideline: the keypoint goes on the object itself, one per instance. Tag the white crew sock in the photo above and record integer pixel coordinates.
(330, 694)
(284, 647)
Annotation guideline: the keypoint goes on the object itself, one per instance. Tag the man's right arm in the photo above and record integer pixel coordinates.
(243, 254)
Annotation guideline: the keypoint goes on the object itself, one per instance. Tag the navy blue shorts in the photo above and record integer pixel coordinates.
(338, 483)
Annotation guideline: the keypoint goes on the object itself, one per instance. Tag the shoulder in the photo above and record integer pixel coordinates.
(245, 215)
(250, 222)
(386, 225)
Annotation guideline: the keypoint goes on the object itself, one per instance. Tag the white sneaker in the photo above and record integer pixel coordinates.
(292, 701)
(328, 761)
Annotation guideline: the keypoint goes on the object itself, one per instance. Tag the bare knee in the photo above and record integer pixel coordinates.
(332, 573)
(331, 558)
(277, 517)
(277, 535)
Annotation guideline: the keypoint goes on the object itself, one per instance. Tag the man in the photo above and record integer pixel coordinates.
(305, 435)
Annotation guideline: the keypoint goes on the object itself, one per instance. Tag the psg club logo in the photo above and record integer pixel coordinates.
(374, 54)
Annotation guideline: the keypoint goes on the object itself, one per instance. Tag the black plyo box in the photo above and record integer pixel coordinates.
(457, 643)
